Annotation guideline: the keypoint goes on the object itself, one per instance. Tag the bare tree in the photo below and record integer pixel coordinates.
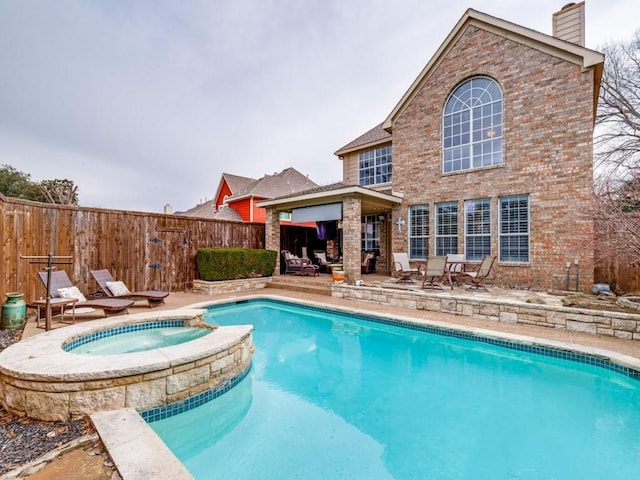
(617, 153)
(60, 191)
(617, 142)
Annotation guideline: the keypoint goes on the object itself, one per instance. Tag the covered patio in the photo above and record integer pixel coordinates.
(346, 205)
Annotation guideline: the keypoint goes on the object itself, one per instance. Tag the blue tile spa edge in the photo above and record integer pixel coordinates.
(172, 409)
(110, 332)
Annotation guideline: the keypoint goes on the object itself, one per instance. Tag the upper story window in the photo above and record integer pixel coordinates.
(472, 126)
(375, 166)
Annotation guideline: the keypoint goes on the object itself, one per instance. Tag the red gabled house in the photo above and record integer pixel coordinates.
(236, 196)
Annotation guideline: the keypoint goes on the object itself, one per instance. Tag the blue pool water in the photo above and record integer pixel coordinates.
(139, 340)
(334, 397)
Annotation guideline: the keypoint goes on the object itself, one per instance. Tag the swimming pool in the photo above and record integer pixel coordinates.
(338, 396)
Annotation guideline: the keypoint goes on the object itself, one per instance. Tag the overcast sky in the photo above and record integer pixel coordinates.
(146, 103)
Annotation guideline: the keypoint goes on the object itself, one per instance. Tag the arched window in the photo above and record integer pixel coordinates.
(472, 126)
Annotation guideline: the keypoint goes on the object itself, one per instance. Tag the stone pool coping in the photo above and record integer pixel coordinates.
(137, 452)
(40, 380)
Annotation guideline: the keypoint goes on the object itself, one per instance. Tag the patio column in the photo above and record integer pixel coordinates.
(272, 234)
(351, 237)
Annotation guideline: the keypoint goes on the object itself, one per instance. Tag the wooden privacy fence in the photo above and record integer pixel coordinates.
(620, 273)
(615, 265)
(145, 250)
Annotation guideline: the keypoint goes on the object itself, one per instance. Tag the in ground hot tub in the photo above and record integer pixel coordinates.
(39, 378)
(139, 337)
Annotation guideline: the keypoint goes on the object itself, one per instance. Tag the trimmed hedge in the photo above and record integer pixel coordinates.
(233, 263)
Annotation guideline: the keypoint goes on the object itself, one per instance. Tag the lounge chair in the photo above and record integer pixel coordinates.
(111, 288)
(478, 276)
(435, 272)
(402, 268)
(61, 286)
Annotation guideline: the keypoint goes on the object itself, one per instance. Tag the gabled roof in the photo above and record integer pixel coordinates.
(372, 201)
(376, 136)
(235, 183)
(568, 51)
(288, 181)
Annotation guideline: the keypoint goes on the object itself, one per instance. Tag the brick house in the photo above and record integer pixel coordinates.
(489, 152)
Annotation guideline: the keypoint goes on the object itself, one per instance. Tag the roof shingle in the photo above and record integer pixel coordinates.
(375, 135)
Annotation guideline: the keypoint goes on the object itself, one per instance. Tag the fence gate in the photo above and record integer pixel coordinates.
(170, 263)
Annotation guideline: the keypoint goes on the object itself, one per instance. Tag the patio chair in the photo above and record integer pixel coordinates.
(61, 287)
(368, 263)
(477, 277)
(402, 268)
(435, 272)
(321, 260)
(298, 266)
(111, 288)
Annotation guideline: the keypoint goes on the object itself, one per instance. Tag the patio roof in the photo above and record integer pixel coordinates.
(373, 202)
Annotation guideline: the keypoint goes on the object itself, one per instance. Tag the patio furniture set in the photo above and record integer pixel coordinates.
(304, 266)
(448, 269)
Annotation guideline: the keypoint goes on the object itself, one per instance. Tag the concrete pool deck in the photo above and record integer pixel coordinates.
(183, 299)
(630, 348)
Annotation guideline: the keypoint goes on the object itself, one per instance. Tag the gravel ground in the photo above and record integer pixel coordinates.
(22, 439)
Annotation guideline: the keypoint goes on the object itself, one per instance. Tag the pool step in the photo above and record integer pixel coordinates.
(320, 285)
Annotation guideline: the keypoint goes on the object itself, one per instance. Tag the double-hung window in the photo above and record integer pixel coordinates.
(370, 233)
(514, 229)
(419, 232)
(446, 228)
(472, 126)
(477, 228)
(374, 166)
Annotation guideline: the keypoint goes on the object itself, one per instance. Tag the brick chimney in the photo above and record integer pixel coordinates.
(568, 23)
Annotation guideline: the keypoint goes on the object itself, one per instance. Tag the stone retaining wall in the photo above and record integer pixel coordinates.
(46, 387)
(230, 286)
(614, 324)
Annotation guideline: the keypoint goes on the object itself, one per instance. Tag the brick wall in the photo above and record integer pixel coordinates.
(548, 108)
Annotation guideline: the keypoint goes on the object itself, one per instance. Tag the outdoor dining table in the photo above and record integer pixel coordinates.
(456, 267)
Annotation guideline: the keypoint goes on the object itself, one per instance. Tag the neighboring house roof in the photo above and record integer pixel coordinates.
(288, 181)
(375, 136)
(548, 44)
(204, 210)
(228, 214)
(234, 182)
(208, 210)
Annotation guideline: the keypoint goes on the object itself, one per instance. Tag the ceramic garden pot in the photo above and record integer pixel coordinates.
(13, 311)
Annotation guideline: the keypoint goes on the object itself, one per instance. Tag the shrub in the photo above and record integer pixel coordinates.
(232, 263)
